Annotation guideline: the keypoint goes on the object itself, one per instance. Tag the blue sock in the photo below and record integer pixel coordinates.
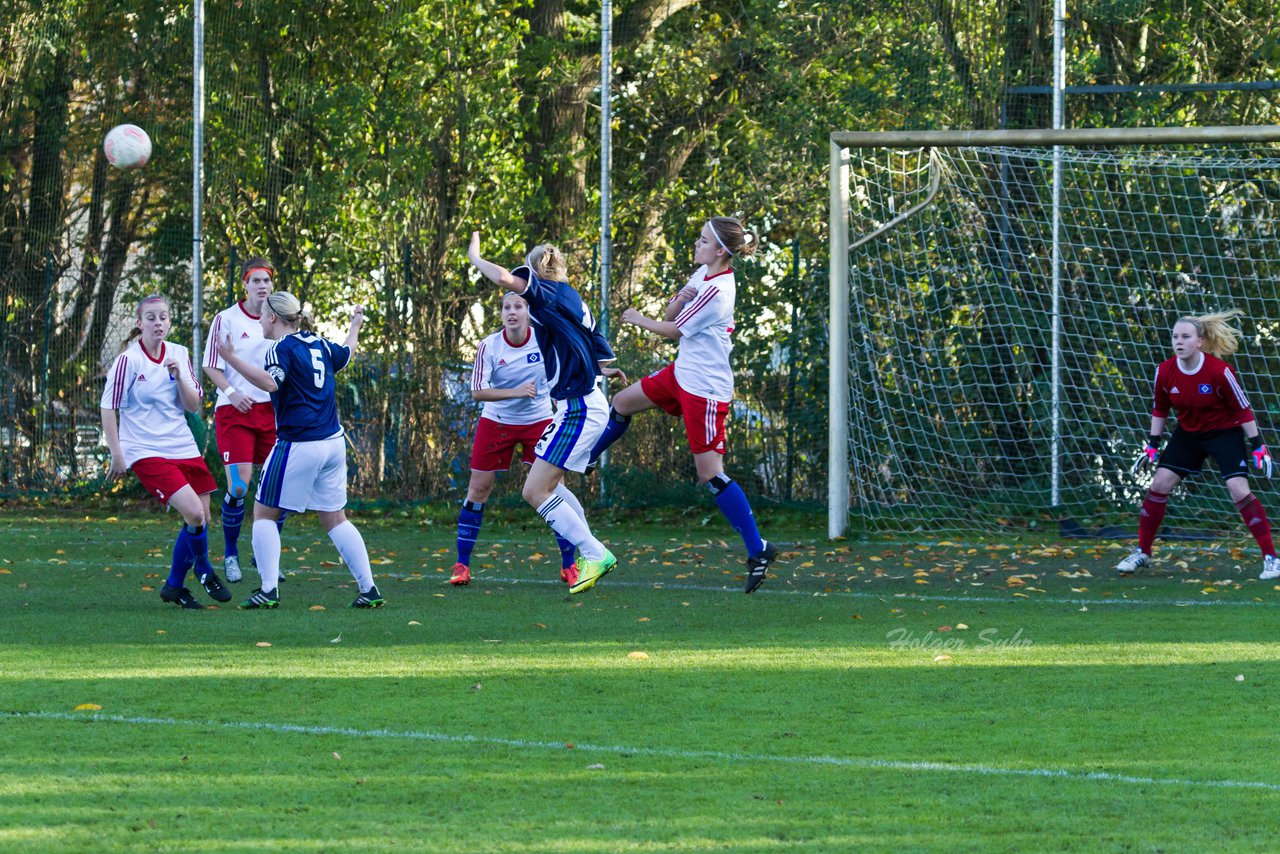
(613, 430)
(469, 519)
(733, 503)
(232, 519)
(181, 560)
(280, 522)
(568, 552)
(198, 545)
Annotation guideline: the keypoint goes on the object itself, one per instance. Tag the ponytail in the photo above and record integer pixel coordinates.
(548, 262)
(732, 237)
(1216, 333)
(285, 306)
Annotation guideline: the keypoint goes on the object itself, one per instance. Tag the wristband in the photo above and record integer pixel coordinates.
(1255, 442)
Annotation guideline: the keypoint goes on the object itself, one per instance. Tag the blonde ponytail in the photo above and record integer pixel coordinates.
(1216, 333)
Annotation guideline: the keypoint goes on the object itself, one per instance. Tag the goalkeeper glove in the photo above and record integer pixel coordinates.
(1150, 453)
(1261, 456)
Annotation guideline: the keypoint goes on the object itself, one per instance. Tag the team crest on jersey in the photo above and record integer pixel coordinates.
(533, 357)
(1205, 388)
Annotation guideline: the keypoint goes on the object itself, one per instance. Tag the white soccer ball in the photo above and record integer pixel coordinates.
(127, 147)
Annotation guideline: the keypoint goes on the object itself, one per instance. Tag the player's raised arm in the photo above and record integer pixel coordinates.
(665, 328)
(353, 334)
(495, 273)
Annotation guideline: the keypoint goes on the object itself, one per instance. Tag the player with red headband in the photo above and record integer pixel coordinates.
(244, 421)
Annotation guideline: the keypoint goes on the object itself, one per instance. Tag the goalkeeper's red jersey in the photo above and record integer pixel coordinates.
(1209, 398)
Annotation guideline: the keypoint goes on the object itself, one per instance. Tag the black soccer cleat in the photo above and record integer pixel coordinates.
(213, 585)
(370, 598)
(758, 566)
(261, 599)
(179, 596)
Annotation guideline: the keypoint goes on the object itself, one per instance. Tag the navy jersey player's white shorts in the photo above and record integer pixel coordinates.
(573, 431)
(302, 476)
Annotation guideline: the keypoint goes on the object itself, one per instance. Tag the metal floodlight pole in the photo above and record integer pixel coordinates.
(197, 177)
(606, 187)
(1055, 428)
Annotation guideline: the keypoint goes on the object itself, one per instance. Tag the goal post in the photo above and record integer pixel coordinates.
(999, 301)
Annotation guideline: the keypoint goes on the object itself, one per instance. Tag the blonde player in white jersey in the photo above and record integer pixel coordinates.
(243, 418)
(698, 386)
(152, 386)
(510, 377)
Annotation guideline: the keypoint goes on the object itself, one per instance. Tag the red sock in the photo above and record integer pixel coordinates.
(1150, 517)
(1256, 519)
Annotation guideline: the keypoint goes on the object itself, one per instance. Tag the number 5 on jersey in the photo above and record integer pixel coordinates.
(318, 364)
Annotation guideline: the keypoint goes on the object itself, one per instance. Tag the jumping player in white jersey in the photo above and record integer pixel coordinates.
(244, 420)
(307, 468)
(698, 386)
(574, 354)
(152, 385)
(510, 378)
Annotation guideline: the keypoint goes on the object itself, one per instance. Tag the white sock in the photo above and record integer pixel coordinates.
(346, 537)
(570, 499)
(266, 551)
(568, 523)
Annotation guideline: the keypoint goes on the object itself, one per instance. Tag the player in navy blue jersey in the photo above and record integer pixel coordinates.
(575, 355)
(307, 468)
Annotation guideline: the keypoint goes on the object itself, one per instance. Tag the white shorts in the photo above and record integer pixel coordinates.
(300, 476)
(573, 431)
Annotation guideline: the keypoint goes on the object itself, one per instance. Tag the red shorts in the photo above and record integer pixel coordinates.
(703, 417)
(244, 437)
(495, 443)
(163, 478)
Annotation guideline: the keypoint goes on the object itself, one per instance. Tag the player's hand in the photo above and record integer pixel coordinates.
(1146, 459)
(473, 249)
(614, 372)
(171, 365)
(116, 468)
(631, 316)
(686, 295)
(529, 389)
(357, 315)
(240, 400)
(1261, 457)
(225, 347)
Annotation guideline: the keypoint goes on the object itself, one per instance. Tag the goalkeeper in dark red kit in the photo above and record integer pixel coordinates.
(1214, 420)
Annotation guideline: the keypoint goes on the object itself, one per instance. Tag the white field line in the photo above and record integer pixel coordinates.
(972, 769)
(770, 589)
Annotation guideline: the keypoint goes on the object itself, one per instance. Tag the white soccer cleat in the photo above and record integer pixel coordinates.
(231, 568)
(1135, 561)
(1270, 568)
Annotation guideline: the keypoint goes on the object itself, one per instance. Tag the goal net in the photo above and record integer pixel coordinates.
(999, 308)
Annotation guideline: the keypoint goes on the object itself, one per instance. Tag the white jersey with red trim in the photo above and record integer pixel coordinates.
(245, 330)
(152, 420)
(706, 324)
(501, 364)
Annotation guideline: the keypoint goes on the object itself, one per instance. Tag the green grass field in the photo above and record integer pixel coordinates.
(871, 697)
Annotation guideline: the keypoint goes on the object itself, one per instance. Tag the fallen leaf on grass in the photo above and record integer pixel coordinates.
(638, 656)
(1239, 677)
(94, 707)
(942, 658)
(960, 627)
(414, 623)
(263, 643)
(596, 767)
(338, 639)
(337, 756)
(317, 608)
